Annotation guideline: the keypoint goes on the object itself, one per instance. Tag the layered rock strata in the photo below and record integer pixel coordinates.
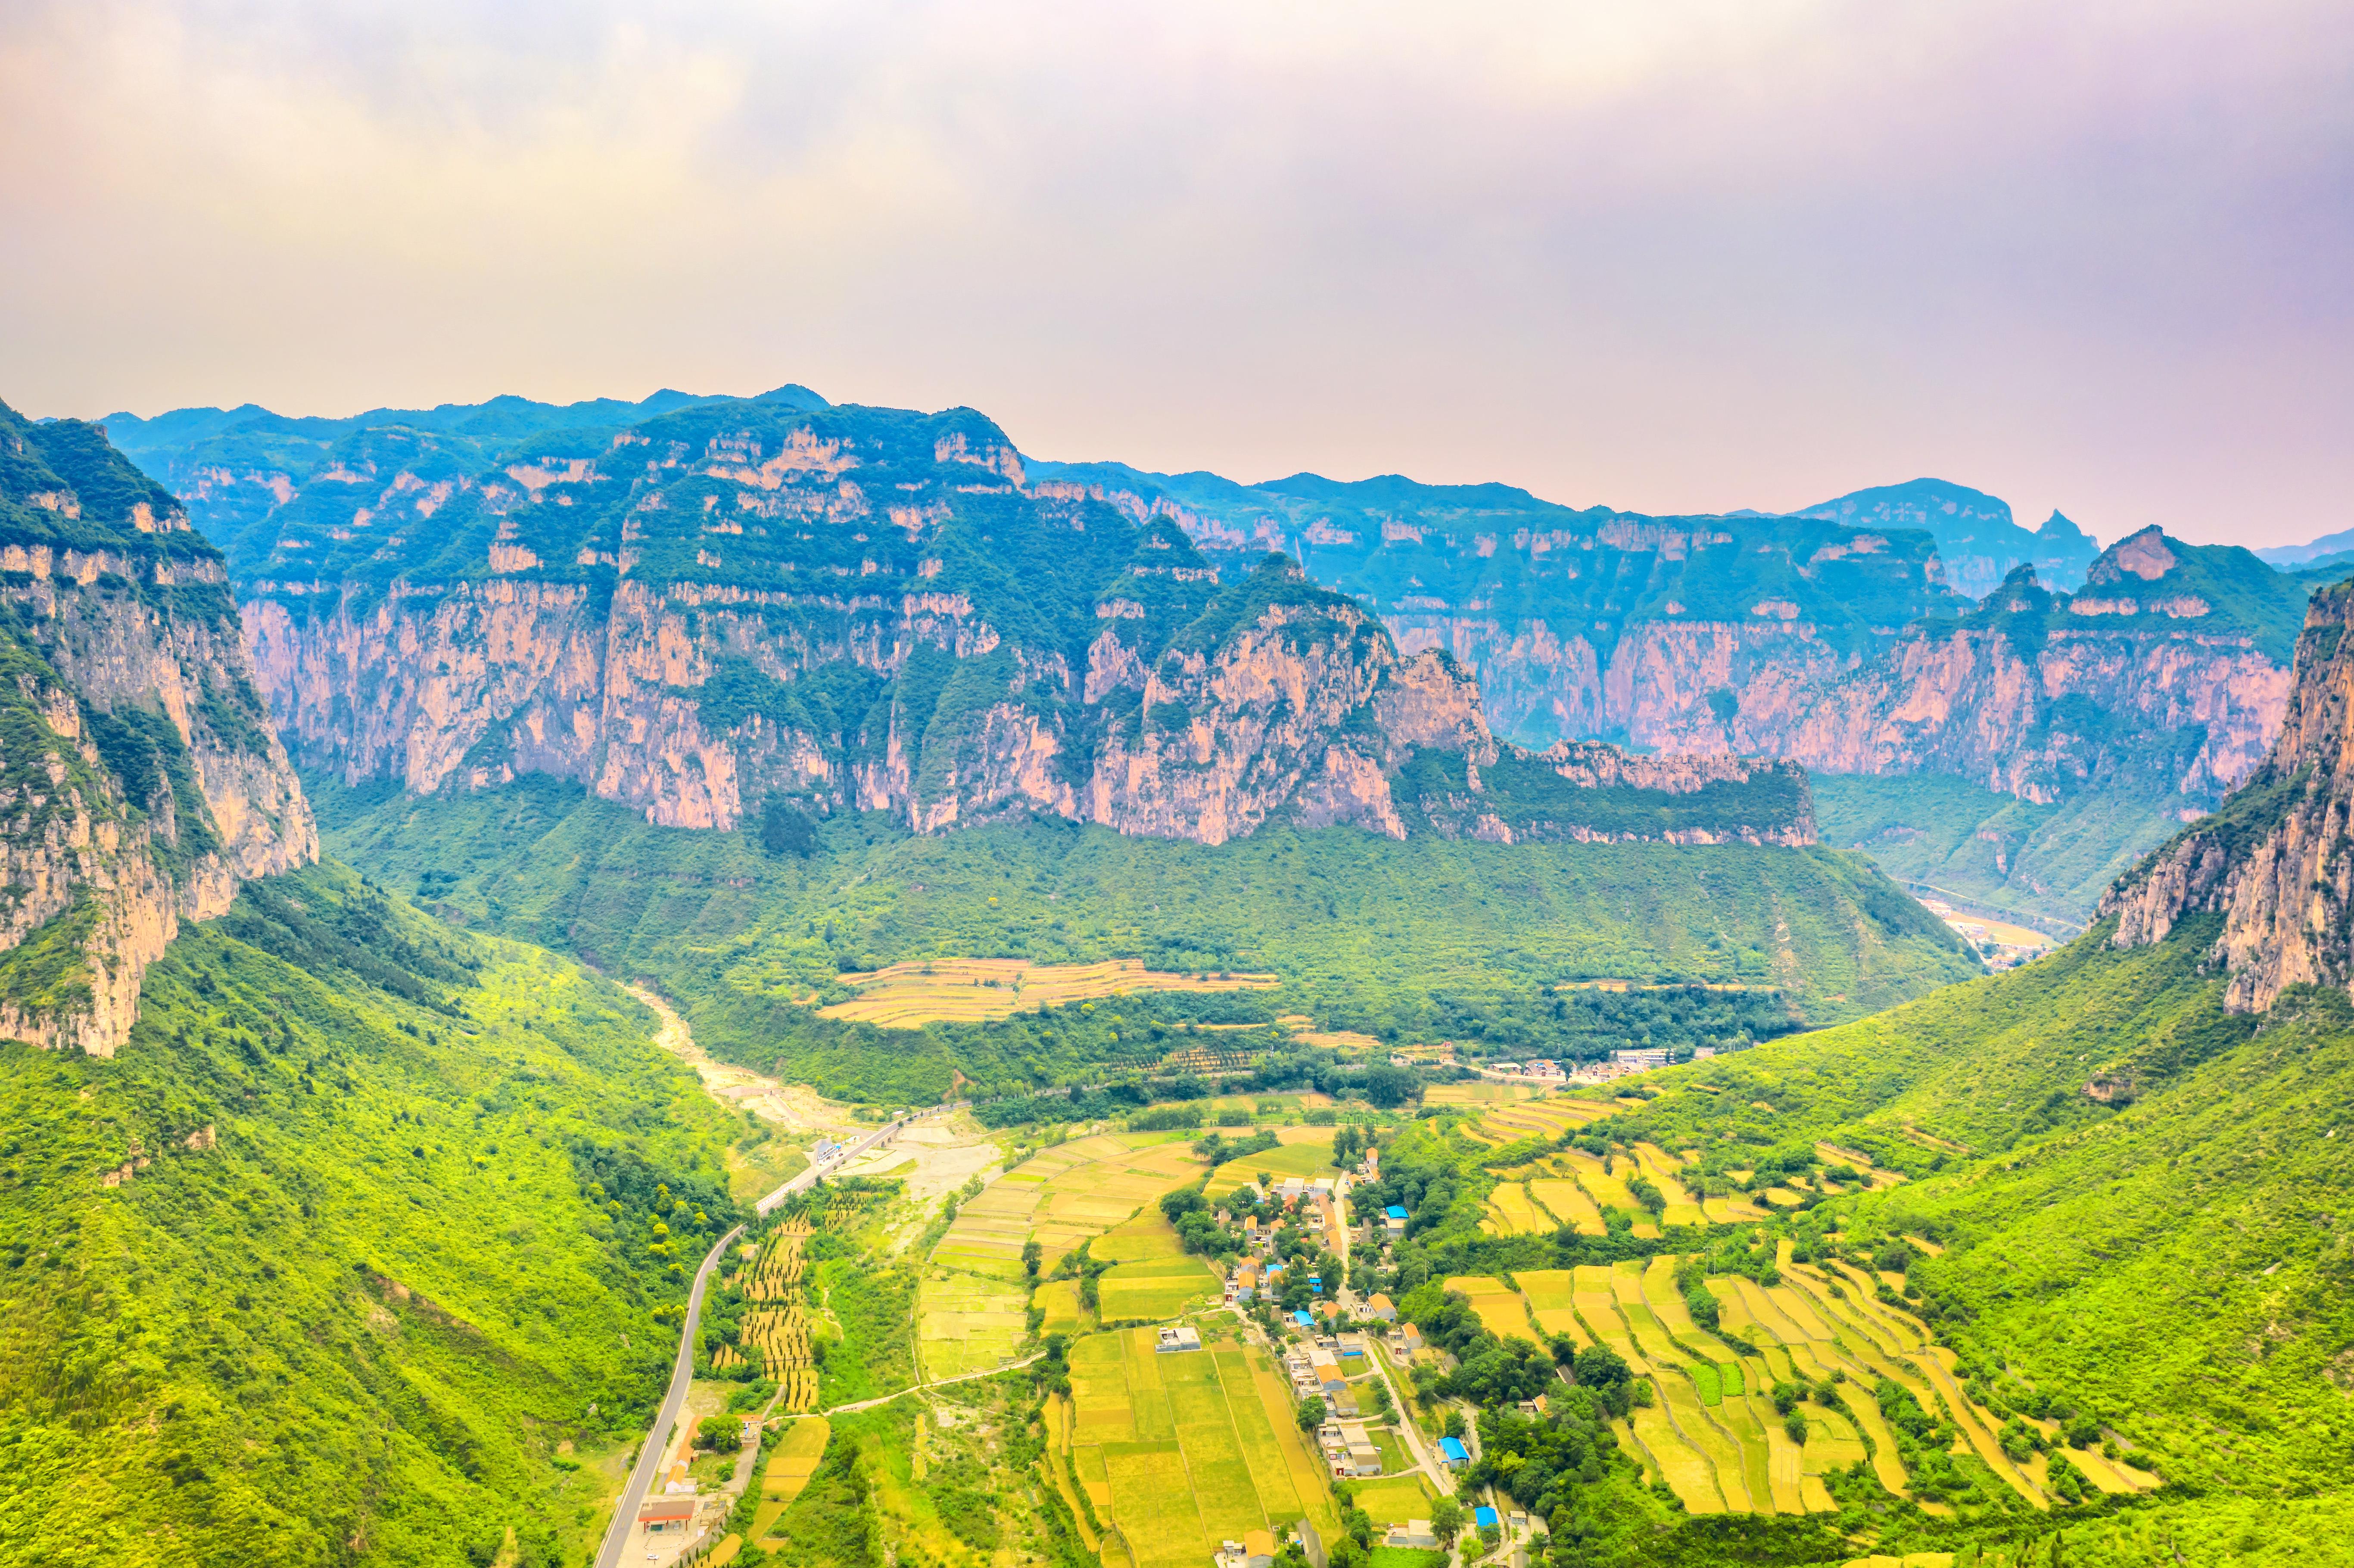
(2277, 862)
(736, 605)
(139, 781)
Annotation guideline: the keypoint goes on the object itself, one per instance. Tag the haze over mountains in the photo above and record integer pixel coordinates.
(350, 1208)
(2087, 701)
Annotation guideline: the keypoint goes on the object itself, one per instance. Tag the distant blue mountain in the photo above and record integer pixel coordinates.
(1979, 540)
(507, 416)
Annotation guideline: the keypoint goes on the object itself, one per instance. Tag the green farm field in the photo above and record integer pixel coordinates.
(1181, 1451)
(1310, 1157)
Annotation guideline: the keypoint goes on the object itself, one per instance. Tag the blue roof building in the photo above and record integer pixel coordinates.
(1485, 1518)
(1452, 1451)
(1303, 1319)
(1394, 1212)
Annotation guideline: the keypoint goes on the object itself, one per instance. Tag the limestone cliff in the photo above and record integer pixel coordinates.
(140, 783)
(1834, 638)
(745, 606)
(2277, 862)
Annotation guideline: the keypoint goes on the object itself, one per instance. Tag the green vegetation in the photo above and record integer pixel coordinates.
(2011, 857)
(362, 1223)
(2156, 1252)
(1403, 941)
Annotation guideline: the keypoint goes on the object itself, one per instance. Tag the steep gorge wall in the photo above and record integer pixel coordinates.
(2149, 677)
(140, 783)
(2277, 862)
(737, 606)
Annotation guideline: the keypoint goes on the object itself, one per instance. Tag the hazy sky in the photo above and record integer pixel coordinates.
(1667, 256)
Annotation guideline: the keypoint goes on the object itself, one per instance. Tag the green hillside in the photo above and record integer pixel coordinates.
(1998, 853)
(1426, 939)
(2127, 1220)
(344, 1250)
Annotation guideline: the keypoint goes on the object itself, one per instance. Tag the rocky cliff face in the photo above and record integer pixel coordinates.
(1831, 638)
(140, 783)
(2166, 676)
(741, 607)
(2278, 860)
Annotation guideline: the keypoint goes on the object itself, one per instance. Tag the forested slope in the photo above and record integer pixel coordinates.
(2140, 1201)
(1426, 939)
(343, 1251)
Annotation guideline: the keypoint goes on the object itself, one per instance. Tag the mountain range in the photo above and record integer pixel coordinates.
(470, 591)
(348, 1215)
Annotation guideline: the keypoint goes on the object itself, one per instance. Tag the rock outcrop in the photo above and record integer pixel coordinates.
(742, 605)
(1833, 638)
(139, 781)
(2277, 862)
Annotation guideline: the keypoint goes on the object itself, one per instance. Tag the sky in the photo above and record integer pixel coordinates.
(1677, 256)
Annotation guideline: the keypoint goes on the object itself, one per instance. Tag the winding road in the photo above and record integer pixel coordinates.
(642, 1476)
(649, 1458)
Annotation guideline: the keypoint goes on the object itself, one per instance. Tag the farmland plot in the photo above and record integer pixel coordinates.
(1179, 1452)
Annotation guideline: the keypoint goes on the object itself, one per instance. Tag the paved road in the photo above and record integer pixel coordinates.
(648, 1465)
(848, 1152)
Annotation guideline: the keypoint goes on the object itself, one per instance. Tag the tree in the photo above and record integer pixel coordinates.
(1447, 1520)
(1600, 1366)
(1454, 1427)
(1796, 1426)
(1032, 1255)
(1390, 1088)
(1703, 1305)
(1308, 1413)
(722, 1434)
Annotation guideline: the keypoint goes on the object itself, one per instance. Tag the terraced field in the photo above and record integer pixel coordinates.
(1304, 1153)
(1713, 1433)
(1062, 1196)
(971, 990)
(1499, 1307)
(1548, 1118)
(1181, 1452)
(791, 1462)
(972, 1302)
(968, 1322)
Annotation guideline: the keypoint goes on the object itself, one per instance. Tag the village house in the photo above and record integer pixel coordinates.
(1380, 1306)
(1254, 1549)
(1182, 1337)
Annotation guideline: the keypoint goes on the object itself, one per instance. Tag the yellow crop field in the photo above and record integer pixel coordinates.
(1062, 1196)
(1305, 1159)
(795, 1459)
(1475, 1093)
(934, 991)
(1496, 1304)
(1546, 1118)
(1715, 1437)
(1514, 1215)
(1181, 1452)
(1568, 1203)
(1552, 1296)
(1059, 1300)
(968, 1322)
